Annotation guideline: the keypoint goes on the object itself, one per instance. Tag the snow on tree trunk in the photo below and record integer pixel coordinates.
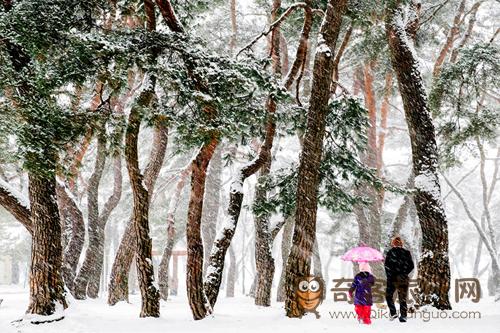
(211, 205)
(213, 277)
(109, 206)
(264, 262)
(149, 294)
(433, 266)
(299, 260)
(198, 301)
(89, 263)
(167, 252)
(118, 285)
(75, 227)
(16, 205)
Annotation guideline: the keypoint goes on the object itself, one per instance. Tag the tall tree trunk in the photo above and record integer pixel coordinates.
(299, 260)
(90, 261)
(450, 39)
(167, 252)
(198, 301)
(231, 273)
(286, 243)
(211, 205)
(264, 262)
(46, 283)
(75, 224)
(434, 266)
(149, 294)
(214, 277)
(118, 285)
(370, 159)
(109, 206)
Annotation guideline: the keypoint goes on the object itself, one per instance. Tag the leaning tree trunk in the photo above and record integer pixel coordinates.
(90, 261)
(264, 262)
(46, 283)
(299, 260)
(149, 294)
(434, 266)
(167, 252)
(198, 301)
(211, 205)
(109, 206)
(118, 285)
(74, 222)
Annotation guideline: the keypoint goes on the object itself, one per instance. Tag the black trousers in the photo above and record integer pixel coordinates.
(399, 283)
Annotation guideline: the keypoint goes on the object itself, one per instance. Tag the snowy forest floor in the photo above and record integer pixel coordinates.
(240, 314)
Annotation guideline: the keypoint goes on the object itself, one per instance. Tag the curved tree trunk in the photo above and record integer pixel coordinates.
(118, 285)
(109, 206)
(198, 301)
(149, 294)
(299, 260)
(167, 252)
(211, 205)
(434, 266)
(15, 206)
(90, 261)
(264, 262)
(74, 222)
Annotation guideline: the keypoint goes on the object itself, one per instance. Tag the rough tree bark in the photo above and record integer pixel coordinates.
(214, 277)
(211, 205)
(198, 301)
(75, 224)
(109, 206)
(433, 267)
(118, 285)
(89, 263)
(15, 206)
(264, 262)
(46, 283)
(149, 294)
(299, 259)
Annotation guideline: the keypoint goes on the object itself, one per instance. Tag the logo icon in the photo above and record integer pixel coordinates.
(309, 294)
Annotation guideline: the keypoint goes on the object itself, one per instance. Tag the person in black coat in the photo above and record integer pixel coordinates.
(398, 264)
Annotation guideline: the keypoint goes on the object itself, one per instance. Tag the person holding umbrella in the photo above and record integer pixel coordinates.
(361, 288)
(398, 264)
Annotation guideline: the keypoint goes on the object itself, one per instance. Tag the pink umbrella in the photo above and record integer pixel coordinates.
(363, 254)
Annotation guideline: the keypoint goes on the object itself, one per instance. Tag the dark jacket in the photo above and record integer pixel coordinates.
(362, 288)
(398, 262)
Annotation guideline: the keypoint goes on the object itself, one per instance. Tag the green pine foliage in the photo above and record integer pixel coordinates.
(462, 100)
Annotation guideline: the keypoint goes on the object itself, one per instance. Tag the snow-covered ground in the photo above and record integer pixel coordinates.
(232, 315)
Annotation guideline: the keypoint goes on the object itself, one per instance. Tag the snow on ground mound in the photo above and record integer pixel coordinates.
(237, 314)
